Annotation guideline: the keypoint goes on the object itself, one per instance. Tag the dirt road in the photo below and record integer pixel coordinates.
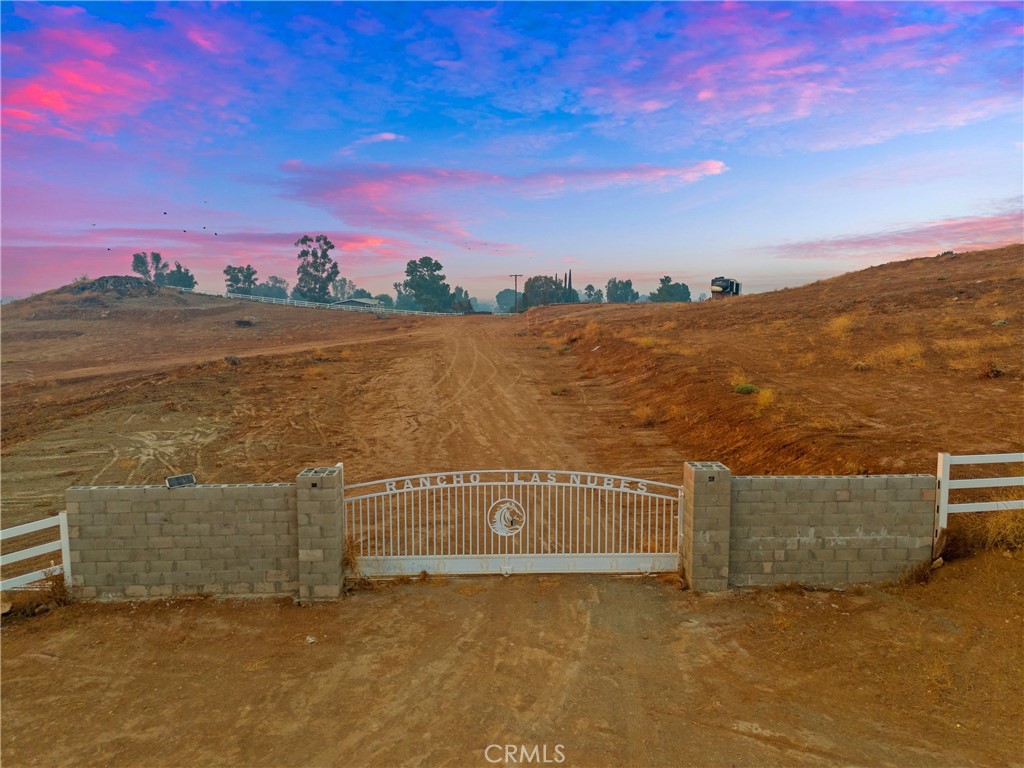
(618, 671)
(386, 398)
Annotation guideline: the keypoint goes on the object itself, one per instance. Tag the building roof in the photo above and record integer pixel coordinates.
(357, 303)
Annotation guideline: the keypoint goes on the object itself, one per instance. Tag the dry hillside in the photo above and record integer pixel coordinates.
(872, 371)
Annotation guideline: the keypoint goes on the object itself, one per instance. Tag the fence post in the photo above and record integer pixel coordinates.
(65, 548)
(321, 527)
(707, 513)
(941, 502)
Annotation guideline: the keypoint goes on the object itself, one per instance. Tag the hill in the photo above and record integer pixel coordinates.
(872, 371)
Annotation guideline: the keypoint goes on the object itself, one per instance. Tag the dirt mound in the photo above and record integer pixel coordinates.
(123, 286)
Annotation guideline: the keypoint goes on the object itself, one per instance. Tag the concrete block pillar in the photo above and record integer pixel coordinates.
(704, 541)
(321, 511)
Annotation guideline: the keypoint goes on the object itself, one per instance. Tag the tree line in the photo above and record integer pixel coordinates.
(425, 287)
(541, 290)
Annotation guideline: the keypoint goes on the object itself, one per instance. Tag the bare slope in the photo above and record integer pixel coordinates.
(871, 371)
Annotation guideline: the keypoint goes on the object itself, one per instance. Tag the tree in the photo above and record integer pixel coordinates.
(404, 299)
(361, 293)
(540, 290)
(620, 291)
(702, 297)
(424, 286)
(508, 299)
(462, 301)
(240, 279)
(342, 289)
(385, 300)
(669, 291)
(150, 266)
(317, 270)
(179, 277)
(273, 288)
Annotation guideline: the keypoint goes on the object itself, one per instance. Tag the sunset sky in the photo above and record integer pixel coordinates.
(775, 143)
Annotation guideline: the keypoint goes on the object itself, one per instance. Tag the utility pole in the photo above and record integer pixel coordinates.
(515, 291)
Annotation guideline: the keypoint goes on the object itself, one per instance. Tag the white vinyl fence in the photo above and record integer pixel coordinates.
(61, 544)
(325, 305)
(943, 509)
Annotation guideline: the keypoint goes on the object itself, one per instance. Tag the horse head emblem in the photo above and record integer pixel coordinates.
(506, 517)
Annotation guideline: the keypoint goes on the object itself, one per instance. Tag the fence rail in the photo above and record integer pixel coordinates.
(945, 484)
(62, 544)
(328, 305)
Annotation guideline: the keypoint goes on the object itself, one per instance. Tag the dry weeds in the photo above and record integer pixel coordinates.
(970, 533)
(645, 416)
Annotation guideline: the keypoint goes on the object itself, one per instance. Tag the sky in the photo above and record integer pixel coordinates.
(774, 143)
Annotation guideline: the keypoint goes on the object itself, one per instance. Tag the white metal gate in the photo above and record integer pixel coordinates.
(505, 521)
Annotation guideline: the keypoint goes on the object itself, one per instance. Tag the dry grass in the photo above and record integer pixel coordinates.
(901, 354)
(737, 377)
(32, 602)
(919, 573)
(350, 557)
(970, 533)
(840, 327)
(592, 331)
(645, 416)
(806, 360)
(765, 399)
(645, 342)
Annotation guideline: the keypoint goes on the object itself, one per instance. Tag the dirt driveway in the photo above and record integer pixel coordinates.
(618, 671)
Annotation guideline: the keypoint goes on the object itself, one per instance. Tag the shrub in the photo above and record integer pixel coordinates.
(765, 398)
(559, 391)
(644, 415)
(32, 602)
(745, 389)
(565, 348)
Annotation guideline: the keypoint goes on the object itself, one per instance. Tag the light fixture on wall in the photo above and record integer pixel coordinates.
(179, 481)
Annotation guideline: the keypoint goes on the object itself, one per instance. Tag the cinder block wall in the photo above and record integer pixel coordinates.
(828, 531)
(153, 541)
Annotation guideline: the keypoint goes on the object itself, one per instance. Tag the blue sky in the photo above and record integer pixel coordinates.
(776, 143)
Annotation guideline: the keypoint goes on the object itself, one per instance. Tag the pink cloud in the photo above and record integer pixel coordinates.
(924, 239)
(377, 138)
(405, 199)
(78, 75)
(205, 39)
(644, 176)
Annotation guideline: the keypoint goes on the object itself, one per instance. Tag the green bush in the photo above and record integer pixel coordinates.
(745, 389)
